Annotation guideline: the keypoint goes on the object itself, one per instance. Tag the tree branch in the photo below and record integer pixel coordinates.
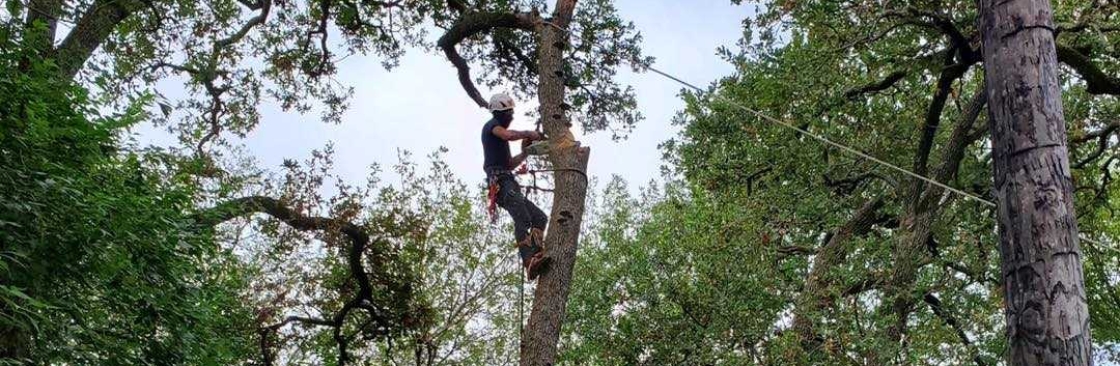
(1102, 137)
(945, 81)
(955, 147)
(952, 322)
(46, 12)
(359, 240)
(816, 295)
(792, 250)
(1096, 81)
(92, 29)
(875, 87)
(471, 24)
(871, 282)
(267, 205)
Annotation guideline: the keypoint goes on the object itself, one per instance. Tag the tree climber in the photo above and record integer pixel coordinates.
(528, 219)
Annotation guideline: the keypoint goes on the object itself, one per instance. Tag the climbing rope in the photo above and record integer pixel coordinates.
(829, 142)
(853, 151)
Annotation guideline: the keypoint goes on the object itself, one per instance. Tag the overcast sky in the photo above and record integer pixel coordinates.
(420, 105)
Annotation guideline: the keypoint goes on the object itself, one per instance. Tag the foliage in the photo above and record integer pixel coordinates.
(99, 265)
(234, 55)
(462, 267)
(666, 268)
(867, 75)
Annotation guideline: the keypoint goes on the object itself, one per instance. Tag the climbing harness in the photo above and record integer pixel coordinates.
(494, 187)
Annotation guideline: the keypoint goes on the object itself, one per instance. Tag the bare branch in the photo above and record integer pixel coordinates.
(265, 6)
(471, 24)
(875, 87)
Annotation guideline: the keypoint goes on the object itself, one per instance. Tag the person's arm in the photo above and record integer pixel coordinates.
(514, 135)
(516, 160)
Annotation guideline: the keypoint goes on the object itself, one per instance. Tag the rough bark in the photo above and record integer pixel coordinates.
(91, 30)
(920, 214)
(818, 294)
(539, 342)
(1046, 310)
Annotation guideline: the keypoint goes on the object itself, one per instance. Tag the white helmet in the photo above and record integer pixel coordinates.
(501, 102)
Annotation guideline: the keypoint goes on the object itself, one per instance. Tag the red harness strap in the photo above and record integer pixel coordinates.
(494, 188)
(492, 209)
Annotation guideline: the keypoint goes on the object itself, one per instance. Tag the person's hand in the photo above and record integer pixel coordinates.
(534, 135)
(525, 144)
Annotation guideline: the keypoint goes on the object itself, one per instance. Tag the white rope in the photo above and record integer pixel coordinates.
(830, 142)
(853, 151)
(837, 145)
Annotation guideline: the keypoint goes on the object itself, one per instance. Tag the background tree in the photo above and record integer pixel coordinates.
(1039, 244)
(860, 265)
(98, 264)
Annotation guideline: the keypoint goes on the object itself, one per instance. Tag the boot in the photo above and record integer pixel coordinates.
(538, 238)
(533, 258)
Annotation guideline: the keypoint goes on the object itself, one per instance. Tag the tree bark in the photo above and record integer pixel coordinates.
(1046, 310)
(818, 294)
(91, 30)
(45, 12)
(539, 342)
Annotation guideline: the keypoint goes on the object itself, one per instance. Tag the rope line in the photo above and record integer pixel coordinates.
(854, 151)
(832, 143)
(829, 142)
(580, 172)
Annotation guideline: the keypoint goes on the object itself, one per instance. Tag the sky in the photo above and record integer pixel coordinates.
(420, 106)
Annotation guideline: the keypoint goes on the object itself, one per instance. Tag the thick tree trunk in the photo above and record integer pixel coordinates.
(15, 343)
(539, 342)
(1047, 314)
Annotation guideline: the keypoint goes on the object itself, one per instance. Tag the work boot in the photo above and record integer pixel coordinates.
(537, 235)
(533, 258)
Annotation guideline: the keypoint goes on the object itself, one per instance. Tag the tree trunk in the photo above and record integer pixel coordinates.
(539, 341)
(15, 343)
(1047, 314)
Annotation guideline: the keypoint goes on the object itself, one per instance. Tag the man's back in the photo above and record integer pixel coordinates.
(495, 149)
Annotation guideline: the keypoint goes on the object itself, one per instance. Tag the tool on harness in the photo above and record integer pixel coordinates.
(494, 186)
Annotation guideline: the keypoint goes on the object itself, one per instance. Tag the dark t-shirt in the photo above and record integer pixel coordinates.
(495, 148)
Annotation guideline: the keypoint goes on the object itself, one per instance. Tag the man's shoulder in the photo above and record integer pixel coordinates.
(489, 125)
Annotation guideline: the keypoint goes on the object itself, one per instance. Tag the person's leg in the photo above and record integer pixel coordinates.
(538, 222)
(511, 199)
(537, 217)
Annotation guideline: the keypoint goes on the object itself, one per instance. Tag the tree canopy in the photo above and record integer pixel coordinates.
(761, 246)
